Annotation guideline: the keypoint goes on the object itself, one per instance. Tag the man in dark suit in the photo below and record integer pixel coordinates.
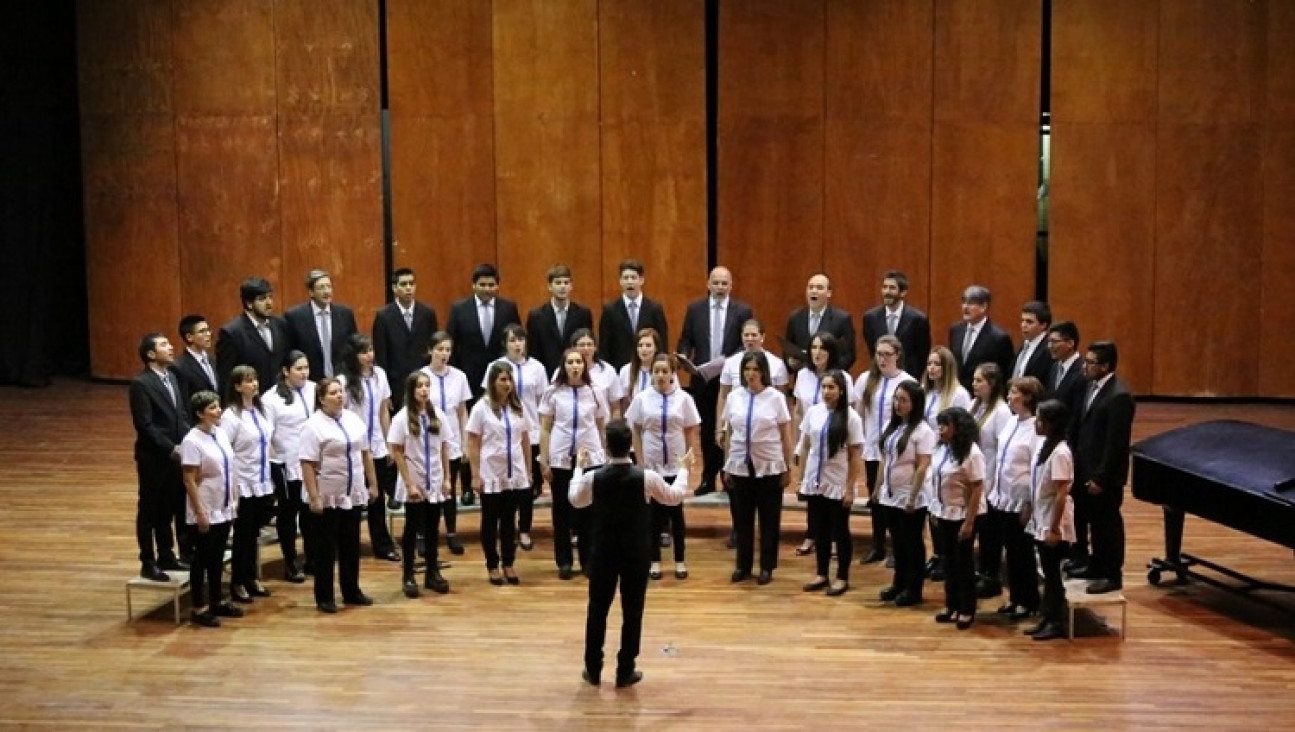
(712, 328)
(819, 315)
(625, 316)
(319, 326)
(160, 425)
(1033, 359)
(894, 316)
(256, 337)
(476, 325)
(549, 326)
(401, 331)
(196, 366)
(1065, 380)
(1100, 440)
(976, 339)
(621, 533)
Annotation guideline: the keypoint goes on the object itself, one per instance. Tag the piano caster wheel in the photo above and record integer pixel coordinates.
(1153, 576)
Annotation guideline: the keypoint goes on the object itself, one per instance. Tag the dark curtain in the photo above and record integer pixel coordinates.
(43, 311)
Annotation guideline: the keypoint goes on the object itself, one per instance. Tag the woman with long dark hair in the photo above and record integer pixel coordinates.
(824, 352)
(530, 382)
(940, 382)
(207, 463)
(1052, 514)
(417, 444)
(499, 448)
(249, 430)
(288, 405)
(831, 441)
(875, 390)
(906, 447)
(368, 396)
(451, 394)
(957, 498)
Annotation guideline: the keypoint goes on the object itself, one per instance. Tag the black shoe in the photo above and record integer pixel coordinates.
(226, 610)
(240, 594)
(1049, 632)
(680, 573)
(907, 599)
(946, 616)
(591, 679)
(361, 600)
(151, 572)
(565, 573)
(890, 562)
(1006, 608)
(890, 593)
(511, 577)
(292, 574)
(655, 574)
(766, 576)
(409, 586)
(838, 590)
(1022, 613)
(497, 581)
(436, 583)
(1035, 629)
(206, 619)
(526, 543)
(967, 622)
(703, 489)
(170, 561)
(1102, 586)
(874, 555)
(393, 504)
(815, 585)
(740, 575)
(1075, 565)
(329, 608)
(454, 545)
(987, 587)
(1082, 571)
(389, 555)
(468, 497)
(257, 590)
(629, 679)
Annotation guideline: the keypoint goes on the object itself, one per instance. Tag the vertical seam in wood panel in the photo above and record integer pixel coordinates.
(930, 177)
(1155, 211)
(598, 86)
(822, 148)
(278, 134)
(494, 132)
(175, 161)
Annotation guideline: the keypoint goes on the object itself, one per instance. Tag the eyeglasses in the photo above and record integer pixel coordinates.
(1092, 362)
(886, 354)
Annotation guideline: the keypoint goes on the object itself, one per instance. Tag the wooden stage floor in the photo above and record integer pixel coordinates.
(715, 656)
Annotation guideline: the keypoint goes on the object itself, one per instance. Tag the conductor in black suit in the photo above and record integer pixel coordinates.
(1100, 440)
(549, 326)
(256, 337)
(401, 332)
(476, 325)
(1033, 358)
(320, 327)
(894, 316)
(712, 328)
(196, 367)
(160, 425)
(620, 522)
(819, 315)
(625, 316)
(976, 339)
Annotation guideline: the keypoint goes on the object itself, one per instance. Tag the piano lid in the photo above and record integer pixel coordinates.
(1243, 455)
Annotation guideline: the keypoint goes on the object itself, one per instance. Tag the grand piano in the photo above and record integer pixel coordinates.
(1237, 474)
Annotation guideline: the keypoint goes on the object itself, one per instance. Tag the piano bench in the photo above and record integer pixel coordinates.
(1077, 598)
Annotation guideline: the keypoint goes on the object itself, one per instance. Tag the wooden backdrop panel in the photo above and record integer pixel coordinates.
(547, 144)
(442, 143)
(224, 57)
(771, 172)
(653, 158)
(227, 172)
(877, 158)
(1209, 202)
(984, 209)
(128, 173)
(1277, 319)
(1101, 248)
(326, 57)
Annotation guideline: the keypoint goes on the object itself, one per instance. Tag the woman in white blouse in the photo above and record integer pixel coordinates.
(990, 410)
(1051, 513)
(368, 396)
(530, 381)
(824, 352)
(288, 405)
(337, 469)
(666, 425)
(451, 394)
(636, 376)
(756, 430)
(1008, 496)
(906, 448)
(572, 415)
(606, 381)
(940, 382)
(957, 488)
(874, 390)
(499, 448)
(831, 441)
(417, 444)
(207, 463)
(249, 430)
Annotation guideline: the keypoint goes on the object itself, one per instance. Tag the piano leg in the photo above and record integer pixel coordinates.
(1173, 560)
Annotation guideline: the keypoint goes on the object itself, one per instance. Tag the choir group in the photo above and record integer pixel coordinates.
(1015, 458)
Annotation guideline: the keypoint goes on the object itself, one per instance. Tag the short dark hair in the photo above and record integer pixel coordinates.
(253, 288)
(402, 272)
(559, 270)
(485, 269)
(189, 324)
(200, 401)
(977, 294)
(1067, 330)
(315, 275)
(147, 344)
(619, 438)
(899, 277)
(1040, 310)
(1105, 352)
(631, 264)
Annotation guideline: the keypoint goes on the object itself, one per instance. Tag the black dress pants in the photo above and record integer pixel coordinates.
(424, 518)
(1053, 608)
(289, 507)
(876, 512)
(762, 498)
(337, 542)
(831, 522)
(910, 549)
(379, 535)
(668, 518)
(498, 526)
(208, 563)
(960, 569)
(243, 569)
(604, 575)
(567, 520)
(1022, 571)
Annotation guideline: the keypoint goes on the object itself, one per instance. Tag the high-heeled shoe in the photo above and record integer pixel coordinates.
(838, 590)
(815, 585)
(496, 578)
(805, 549)
(511, 577)
(966, 621)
